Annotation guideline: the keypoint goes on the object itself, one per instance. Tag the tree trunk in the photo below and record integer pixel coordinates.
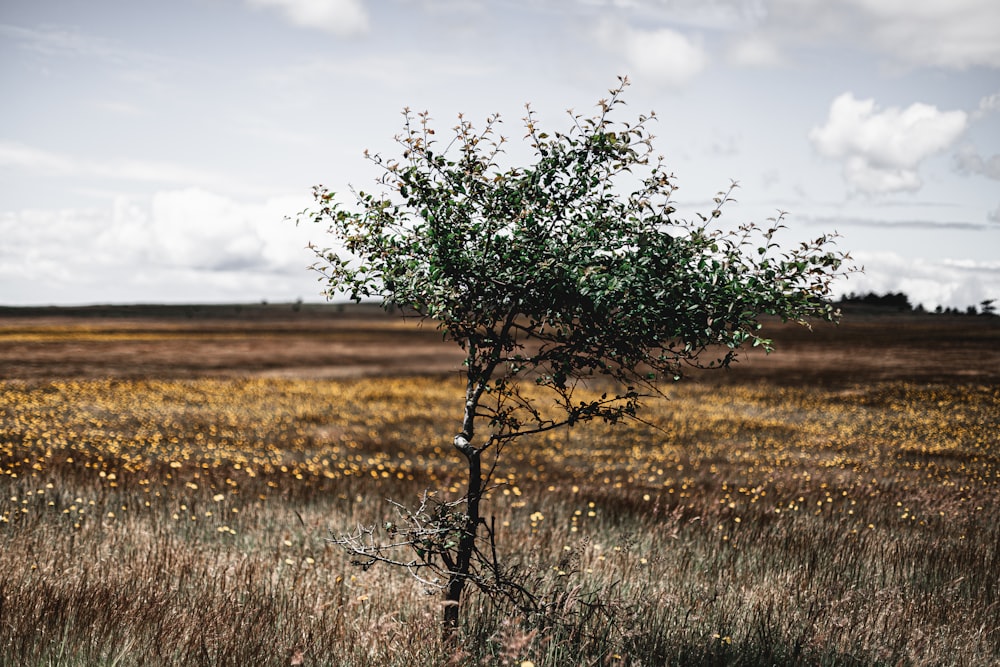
(466, 542)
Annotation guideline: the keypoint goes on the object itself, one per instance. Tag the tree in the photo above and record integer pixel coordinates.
(571, 270)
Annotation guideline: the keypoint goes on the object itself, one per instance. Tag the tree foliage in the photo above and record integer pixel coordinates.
(571, 269)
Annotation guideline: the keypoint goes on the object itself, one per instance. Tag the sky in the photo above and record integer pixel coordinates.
(152, 152)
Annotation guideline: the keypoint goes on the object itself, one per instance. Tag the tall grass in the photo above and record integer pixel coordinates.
(183, 522)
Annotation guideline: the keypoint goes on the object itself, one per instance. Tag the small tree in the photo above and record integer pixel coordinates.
(570, 270)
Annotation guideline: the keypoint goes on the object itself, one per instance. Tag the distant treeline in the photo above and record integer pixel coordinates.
(235, 311)
(900, 302)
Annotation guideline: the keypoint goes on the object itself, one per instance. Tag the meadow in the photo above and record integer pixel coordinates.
(816, 516)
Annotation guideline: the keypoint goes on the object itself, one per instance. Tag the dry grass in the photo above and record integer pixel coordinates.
(156, 522)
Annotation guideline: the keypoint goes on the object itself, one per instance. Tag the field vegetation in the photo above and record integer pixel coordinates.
(159, 519)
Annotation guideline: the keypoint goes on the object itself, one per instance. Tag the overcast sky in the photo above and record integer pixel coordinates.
(149, 150)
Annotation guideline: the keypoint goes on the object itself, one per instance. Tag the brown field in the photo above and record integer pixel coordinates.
(168, 476)
(331, 342)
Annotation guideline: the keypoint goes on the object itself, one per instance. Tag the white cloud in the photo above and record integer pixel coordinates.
(755, 51)
(664, 56)
(179, 244)
(20, 156)
(956, 34)
(994, 216)
(987, 105)
(201, 230)
(882, 148)
(340, 17)
(969, 161)
(865, 177)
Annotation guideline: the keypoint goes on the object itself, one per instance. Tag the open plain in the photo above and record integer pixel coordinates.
(168, 476)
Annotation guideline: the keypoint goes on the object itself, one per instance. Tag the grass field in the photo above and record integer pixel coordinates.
(151, 519)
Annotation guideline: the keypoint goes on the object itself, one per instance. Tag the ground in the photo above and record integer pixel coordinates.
(169, 474)
(310, 341)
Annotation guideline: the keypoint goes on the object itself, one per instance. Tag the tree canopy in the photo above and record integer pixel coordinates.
(559, 269)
